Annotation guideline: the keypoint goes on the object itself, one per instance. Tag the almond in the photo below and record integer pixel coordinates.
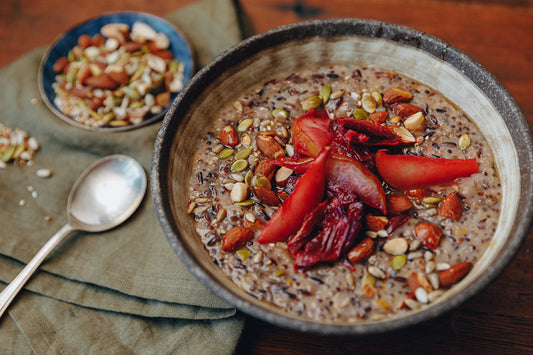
(119, 76)
(451, 207)
(419, 194)
(405, 110)
(97, 40)
(60, 65)
(163, 99)
(84, 41)
(428, 234)
(397, 204)
(454, 274)
(96, 102)
(376, 223)
(265, 168)
(269, 147)
(228, 136)
(257, 225)
(379, 117)
(282, 175)
(167, 55)
(236, 238)
(101, 81)
(361, 251)
(396, 94)
(267, 196)
(131, 47)
(417, 280)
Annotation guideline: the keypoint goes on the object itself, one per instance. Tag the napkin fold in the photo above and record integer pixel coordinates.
(123, 290)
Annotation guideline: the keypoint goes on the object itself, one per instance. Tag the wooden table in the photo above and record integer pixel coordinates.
(497, 33)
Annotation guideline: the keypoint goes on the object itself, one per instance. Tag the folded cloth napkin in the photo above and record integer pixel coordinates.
(118, 291)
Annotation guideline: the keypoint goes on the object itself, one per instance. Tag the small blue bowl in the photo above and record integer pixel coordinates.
(65, 42)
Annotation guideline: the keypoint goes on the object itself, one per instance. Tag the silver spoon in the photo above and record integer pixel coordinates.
(104, 196)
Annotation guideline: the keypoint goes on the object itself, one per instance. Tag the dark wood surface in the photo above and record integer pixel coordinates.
(498, 34)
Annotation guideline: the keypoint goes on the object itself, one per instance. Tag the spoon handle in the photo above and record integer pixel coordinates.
(9, 293)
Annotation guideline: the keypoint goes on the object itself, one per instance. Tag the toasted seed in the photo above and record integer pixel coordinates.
(325, 93)
(433, 296)
(202, 200)
(396, 246)
(290, 150)
(412, 304)
(243, 154)
(421, 295)
(428, 255)
(237, 177)
(245, 124)
(464, 141)
(311, 102)
(226, 153)
(398, 261)
(201, 209)
(376, 272)
(118, 123)
(395, 119)
(217, 148)
(368, 103)
(8, 154)
(360, 114)
(350, 280)
(371, 234)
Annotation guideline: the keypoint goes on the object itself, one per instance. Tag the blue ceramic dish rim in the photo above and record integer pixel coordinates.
(486, 82)
(65, 41)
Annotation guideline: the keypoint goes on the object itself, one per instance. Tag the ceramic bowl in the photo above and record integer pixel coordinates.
(179, 47)
(415, 54)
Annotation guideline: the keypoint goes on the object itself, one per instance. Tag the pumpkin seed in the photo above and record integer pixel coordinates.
(368, 279)
(279, 272)
(8, 154)
(108, 117)
(368, 103)
(377, 98)
(239, 165)
(311, 102)
(464, 141)
(360, 114)
(243, 154)
(226, 153)
(325, 93)
(280, 113)
(245, 124)
(118, 123)
(131, 92)
(398, 262)
(261, 181)
(248, 178)
(244, 203)
(243, 254)
(431, 200)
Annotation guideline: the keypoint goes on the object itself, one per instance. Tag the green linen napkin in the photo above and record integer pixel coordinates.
(119, 291)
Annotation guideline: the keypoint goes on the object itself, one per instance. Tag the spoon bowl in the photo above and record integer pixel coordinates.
(104, 196)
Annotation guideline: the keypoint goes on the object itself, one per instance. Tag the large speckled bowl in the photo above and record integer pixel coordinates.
(405, 50)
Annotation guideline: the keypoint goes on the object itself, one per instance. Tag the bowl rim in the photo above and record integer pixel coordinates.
(139, 15)
(480, 76)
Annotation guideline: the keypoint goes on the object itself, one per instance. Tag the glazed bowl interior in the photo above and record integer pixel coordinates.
(364, 42)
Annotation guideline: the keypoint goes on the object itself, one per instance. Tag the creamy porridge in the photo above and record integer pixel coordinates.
(343, 193)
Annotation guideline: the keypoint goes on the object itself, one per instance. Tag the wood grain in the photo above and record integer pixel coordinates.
(497, 33)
